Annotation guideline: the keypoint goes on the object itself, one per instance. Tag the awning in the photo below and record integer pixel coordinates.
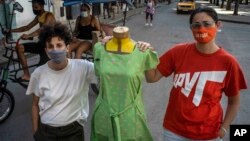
(73, 2)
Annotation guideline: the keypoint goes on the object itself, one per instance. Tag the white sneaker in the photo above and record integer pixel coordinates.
(146, 24)
(151, 24)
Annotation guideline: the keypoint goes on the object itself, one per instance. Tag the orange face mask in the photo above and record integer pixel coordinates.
(204, 34)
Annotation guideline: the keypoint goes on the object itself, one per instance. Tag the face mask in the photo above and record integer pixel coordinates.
(57, 56)
(150, 4)
(84, 14)
(36, 12)
(204, 34)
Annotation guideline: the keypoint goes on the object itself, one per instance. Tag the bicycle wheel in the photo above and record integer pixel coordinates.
(7, 103)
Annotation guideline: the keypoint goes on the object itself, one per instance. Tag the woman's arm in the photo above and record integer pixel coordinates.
(35, 113)
(96, 23)
(26, 27)
(50, 19)
(231, 112)
(77, 24)
(153, 75)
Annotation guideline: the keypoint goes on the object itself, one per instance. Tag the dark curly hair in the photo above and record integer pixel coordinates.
(60, 30)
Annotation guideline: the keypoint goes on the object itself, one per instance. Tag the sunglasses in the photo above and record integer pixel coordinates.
(204, 24)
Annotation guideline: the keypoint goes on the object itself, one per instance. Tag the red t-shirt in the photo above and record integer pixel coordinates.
(194, 110)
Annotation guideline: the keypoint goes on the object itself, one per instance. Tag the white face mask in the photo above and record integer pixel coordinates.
(150, 4)
(84, 14)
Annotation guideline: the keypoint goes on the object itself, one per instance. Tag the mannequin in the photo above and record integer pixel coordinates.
(121, 42)
(119, 110)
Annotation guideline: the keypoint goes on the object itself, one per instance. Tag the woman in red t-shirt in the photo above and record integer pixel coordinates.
(202, 72)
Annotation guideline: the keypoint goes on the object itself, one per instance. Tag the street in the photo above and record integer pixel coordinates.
(168, 29)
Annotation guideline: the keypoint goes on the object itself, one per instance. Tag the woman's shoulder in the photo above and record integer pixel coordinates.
(41, 69)
(94, 19)
(182, 46)
(80, 63)
(49, 14)
(228, 55)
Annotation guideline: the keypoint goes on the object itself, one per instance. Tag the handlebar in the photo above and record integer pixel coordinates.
(8, 34)
(4, 31)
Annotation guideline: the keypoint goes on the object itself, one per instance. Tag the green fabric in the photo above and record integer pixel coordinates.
(119, 110)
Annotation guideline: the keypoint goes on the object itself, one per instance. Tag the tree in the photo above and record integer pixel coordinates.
(228, 7)
(222, 4)
(217, 2)
(236, 7)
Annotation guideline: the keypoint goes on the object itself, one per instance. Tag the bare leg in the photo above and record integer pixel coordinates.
(23, 61)
(73, 47)
(84, 46)
(113, 13)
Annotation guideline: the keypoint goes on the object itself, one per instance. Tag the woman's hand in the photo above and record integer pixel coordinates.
(106, 39)
(74, 39)
(25, 37)
(222, 132)
(143, 46)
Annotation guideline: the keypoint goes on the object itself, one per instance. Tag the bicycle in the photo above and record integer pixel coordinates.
(7, 101)
(13, 60)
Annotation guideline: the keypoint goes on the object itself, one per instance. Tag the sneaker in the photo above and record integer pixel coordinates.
(151, 24)
(146, 24)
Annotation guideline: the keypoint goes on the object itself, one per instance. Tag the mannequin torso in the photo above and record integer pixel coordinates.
(121, 42)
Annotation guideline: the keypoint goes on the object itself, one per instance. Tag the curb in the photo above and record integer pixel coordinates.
(234, 21)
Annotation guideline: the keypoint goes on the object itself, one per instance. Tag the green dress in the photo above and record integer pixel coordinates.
(119, 110)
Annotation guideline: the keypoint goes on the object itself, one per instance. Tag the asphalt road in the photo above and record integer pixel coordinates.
(168, 29)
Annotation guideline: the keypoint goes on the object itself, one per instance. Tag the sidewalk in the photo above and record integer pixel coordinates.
(226, 16)
(243, 16)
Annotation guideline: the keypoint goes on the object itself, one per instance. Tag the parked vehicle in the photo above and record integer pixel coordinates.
(185, 6)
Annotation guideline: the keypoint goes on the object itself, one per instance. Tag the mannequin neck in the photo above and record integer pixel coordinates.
(120, 45)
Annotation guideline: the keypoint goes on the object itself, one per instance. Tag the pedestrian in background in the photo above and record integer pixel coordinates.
(150, 10)
(84, 26)
(114, 8)
(106, 7)
(125, 9)
(202, 72)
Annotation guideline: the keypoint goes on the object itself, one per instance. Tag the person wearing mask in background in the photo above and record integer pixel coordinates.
(114, 7)
(150, 10)
(106, 7)
(60, 87)
(42, 18)
(85, 24)
(202, 72)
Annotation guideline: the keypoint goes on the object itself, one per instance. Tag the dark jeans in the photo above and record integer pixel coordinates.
(149, 14)
(70, 132)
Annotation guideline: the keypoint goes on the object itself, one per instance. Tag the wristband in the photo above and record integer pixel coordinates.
(224, 129)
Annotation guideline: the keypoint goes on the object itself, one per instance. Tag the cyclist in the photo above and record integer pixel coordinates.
(42, 18)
